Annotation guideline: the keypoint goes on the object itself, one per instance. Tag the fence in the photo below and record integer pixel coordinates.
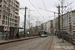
(69, 38)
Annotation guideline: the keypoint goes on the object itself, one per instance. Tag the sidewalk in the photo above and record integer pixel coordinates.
(62, 46)
(14, 40)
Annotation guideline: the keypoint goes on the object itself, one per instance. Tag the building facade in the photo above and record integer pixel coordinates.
(68, 22)
(55, 25)
(9, 13)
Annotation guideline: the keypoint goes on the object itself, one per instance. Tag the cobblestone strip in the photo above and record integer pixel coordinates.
(48, 45)
(27, 45)
(15, 44)
(42, 45)
(35, 46)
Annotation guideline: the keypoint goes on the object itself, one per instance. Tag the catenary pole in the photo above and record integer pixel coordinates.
(25, 21)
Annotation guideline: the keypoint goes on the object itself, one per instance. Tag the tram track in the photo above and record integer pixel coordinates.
(34, 47)
(47, 43)
(16, 40)
(42, 43)
(13, 44)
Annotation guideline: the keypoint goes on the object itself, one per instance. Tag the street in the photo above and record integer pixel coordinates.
(41, 43)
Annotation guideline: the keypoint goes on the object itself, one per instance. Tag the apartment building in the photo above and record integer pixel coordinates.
(68, 22)
(55, 24)
(71, 23)
(9, 9)
(65, 22)
(44, 26)
(48, 26)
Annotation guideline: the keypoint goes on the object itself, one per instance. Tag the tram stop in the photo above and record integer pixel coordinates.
(11, 34)
(14, 31)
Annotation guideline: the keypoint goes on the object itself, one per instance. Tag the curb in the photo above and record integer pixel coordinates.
(11, 41)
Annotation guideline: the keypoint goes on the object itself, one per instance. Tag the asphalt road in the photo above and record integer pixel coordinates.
(42, 43)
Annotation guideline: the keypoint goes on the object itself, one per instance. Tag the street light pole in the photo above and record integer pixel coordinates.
(25, 21)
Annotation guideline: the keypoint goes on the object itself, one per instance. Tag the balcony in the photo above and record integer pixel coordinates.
(17, 2)
(17, 12)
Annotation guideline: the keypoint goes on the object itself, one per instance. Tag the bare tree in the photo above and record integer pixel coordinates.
(68, 5)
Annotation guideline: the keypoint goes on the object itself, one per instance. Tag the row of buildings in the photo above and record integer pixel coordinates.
(47, 26)
(52, 25)
(68, 23)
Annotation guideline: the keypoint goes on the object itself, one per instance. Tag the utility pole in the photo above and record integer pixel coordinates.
(58, 20)
(25, 21)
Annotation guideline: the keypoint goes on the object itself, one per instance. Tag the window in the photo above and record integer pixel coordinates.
(5, 27)
(10, 19)
(4, 7)
(3, 21)
(6, 18)
(10, 24)
(5, 3)
(73, 21)
(15, 17)
(73, 18)
(6, 22)
(15, 21)
(14, 0)
(70, 29)
(3, 17)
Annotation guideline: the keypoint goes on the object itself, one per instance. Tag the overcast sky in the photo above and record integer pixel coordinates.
(43, 15)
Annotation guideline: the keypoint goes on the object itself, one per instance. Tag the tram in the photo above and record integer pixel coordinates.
(43, 33)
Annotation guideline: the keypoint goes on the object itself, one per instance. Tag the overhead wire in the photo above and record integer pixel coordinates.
(45, 6)
(35, 8)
